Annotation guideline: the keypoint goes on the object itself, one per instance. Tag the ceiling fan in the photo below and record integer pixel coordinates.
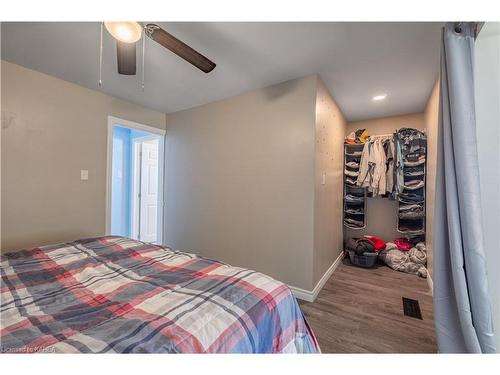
(127, 34)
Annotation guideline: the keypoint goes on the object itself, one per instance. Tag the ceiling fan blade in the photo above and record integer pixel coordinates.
(178, 47)
(125, 53)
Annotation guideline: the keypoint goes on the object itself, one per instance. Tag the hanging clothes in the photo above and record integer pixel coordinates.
(413, 141)
(391, 154)
(377, 165)
(399, 171)
(364, 166)
(379, 179)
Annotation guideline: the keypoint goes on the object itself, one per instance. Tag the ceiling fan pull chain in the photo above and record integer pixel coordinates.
(100, 58)
(143, 53)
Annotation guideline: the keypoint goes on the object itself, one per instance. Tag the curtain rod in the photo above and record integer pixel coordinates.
(477, 27)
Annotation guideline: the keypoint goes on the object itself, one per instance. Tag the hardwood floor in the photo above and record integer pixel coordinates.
(361, 311)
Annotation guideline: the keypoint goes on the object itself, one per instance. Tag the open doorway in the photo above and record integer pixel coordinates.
(135, 188)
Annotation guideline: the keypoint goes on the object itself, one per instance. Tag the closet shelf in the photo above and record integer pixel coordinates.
(413, 170)
(353, 227)
(353, 152)
(415, 166)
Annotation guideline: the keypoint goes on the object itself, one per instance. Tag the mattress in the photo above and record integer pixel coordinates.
(113, 294)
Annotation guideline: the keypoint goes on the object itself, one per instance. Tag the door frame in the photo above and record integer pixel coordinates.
(112, 121)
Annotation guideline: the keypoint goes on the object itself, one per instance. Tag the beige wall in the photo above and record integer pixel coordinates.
(382, 212)
(51, 129)
(241, 178)
(431, 123)
(328, 201)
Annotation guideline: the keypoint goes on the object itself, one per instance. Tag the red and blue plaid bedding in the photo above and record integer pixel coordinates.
(112, 294)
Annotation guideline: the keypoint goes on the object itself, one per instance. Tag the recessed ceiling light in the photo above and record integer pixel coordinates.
(379, 97)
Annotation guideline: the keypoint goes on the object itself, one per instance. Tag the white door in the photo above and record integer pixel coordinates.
(148, 195)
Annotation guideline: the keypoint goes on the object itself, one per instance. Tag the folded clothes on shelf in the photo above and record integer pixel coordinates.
(410, 198)
(358, 137)
(352, 164)
(354, 198)
(411, 211)
(347, 172)
(414, 184)
(351, 181)
(411, 232)
(411, 215)
(411, 207)
(353, 222)
(411, 147)
(414, 163)
(350, 139)
(415, 157)
(361, 135)
(414, 171)
(354, 153)
(354, 211)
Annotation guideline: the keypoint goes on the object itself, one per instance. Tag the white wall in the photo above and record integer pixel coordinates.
(487, 92)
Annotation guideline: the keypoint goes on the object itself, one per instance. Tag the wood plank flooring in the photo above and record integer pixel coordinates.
(361, 311)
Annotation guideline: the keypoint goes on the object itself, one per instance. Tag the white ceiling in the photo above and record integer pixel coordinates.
(355, 60)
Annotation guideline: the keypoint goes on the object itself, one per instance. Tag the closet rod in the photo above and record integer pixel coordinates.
(381, 135)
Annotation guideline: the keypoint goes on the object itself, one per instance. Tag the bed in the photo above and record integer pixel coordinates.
(113, 294)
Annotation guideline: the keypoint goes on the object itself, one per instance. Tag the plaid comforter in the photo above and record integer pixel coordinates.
(112, 294)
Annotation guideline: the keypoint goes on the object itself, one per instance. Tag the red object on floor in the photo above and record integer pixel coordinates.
(378, 243)
(403, 244)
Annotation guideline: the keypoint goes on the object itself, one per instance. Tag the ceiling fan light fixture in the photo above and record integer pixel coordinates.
(126, 32)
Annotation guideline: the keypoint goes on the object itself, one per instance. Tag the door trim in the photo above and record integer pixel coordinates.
(109, 166)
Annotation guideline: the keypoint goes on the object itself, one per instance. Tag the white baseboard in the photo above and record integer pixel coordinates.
(430, 283)
(304, 295)
(310, 295)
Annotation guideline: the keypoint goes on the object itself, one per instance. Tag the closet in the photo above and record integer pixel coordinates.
(391, 166)
(384, 187)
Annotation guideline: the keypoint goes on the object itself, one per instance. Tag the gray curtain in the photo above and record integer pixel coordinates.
(462, 309)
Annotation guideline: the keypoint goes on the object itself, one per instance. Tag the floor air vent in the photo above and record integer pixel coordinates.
(411, 308)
